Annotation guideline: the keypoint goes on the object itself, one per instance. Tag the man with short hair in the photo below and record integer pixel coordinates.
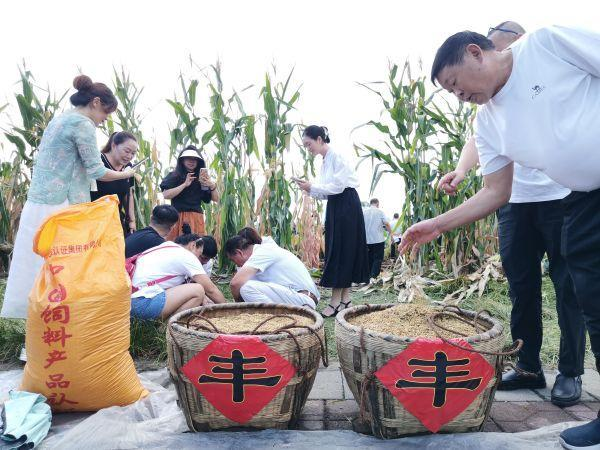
(540, 100)
(375, 223)
(269, 274)
(529, 226)
(163, 219)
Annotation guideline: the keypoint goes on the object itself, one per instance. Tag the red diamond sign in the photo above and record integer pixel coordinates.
(436, 381)
(238, 375)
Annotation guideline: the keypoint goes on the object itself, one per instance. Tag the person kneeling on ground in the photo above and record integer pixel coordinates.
(162, 221)
(159, 282)
(209, 252)
(269, 274)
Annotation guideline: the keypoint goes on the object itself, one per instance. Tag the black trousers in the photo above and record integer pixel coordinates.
(375, 252)
(581, 250)
(526, 231)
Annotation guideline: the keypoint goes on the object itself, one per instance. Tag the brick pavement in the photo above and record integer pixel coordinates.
(331, 405)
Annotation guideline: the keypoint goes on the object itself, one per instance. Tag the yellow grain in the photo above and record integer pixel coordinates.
(410, 320)
(246, 322)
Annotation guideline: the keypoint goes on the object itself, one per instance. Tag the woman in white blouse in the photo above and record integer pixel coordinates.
(345, 242)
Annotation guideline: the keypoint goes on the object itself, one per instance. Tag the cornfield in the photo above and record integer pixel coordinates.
(252, 156)
(420, 142)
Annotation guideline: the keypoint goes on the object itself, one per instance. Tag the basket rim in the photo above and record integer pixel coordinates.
(496, 330)
(315, 327)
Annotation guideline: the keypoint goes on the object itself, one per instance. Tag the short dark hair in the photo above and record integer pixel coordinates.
(210, 247)
(164, 216)
(117, 138)
(251, 235)
(396, 215)
(185, 239)
(452, 50)
(87, 91)
(374, 201)
(316, 131)
(236, 243)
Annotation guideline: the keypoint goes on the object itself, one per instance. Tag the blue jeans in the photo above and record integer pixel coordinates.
(148, 308)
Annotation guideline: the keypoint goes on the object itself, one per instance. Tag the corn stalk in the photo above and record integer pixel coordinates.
(421, 141)
(232, 134)
(37, 107)
(275, 200)
(308, 236)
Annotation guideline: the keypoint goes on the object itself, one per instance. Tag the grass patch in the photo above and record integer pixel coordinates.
(12, 333)
(148, 337)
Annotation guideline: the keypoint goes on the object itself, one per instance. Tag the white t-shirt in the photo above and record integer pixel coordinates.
(279, 266)
(208, 266)
(375, 221)
(336, 176)
(531, 185)
(174, 260)
(547, 115)
(268, 240)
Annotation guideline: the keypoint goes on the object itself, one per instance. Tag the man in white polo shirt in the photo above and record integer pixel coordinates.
(269, 274)
(375, 223)
(529, 226)
(541, 109)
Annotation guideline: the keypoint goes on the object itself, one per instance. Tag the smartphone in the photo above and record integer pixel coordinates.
(204, 171)
(139, 162)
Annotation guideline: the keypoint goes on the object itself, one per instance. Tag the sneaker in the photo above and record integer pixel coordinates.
(23, 354)
(582, 437)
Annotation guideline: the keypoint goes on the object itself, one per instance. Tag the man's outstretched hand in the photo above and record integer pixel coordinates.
(419, 234)
(449, 182)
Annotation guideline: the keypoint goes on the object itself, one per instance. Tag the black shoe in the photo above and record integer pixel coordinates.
(513, 380)
(566, 391)
(584, 436)
(336, 310)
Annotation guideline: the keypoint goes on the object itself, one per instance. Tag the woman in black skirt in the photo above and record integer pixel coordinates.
(346, 259)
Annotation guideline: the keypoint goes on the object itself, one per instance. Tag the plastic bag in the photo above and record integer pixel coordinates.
(78, 320)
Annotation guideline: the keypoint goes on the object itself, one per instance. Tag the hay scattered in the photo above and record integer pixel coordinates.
(246, 322)
(410, 319)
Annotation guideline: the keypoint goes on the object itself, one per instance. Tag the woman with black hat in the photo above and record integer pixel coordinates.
(346, 259)
(187, 187)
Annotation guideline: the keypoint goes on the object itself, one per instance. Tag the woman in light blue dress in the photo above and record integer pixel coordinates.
(67, 161)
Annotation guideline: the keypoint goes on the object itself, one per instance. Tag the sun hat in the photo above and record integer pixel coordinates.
(189, 153)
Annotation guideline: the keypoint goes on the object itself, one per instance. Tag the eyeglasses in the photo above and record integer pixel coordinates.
(504, 30)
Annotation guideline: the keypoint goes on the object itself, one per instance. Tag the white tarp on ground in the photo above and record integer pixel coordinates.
(157, 422)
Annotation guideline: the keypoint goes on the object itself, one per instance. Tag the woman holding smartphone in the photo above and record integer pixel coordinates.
(188, 186)
(117, 155)
(346, 260)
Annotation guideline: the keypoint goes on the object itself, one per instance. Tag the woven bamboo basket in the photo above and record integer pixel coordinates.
(362, 352)
(304, 351)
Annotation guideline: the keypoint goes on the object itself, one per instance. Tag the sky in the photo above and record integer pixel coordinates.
(331, 46)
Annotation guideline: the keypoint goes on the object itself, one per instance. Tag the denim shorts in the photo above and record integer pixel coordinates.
(148, 308)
